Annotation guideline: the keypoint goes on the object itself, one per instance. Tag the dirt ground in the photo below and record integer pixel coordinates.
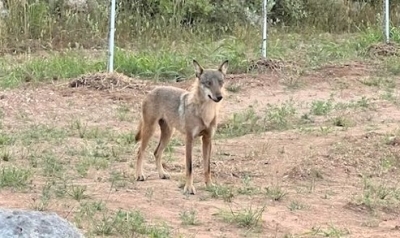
(334, 176)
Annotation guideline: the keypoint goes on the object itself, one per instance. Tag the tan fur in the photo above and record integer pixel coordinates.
(193, 113)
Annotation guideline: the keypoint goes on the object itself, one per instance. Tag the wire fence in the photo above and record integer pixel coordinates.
(264, 29)
(32, 24)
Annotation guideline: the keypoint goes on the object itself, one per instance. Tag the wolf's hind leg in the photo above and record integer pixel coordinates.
(146, 132)
(166, 133)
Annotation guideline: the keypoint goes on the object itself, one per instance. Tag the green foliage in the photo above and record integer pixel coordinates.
(55, 66)
(14, 177)
(160, 64)
(53, 24)
(192, 11)
(158, 39)
(323, 15)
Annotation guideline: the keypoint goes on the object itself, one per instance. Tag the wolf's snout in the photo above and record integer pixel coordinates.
(215, 99)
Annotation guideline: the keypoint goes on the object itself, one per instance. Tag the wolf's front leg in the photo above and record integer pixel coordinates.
(206, 139)
(189, 188)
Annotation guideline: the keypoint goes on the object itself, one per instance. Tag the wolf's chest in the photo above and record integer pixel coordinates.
(208, 114)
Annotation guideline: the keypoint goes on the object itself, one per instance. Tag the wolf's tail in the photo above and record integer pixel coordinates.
(139, 132)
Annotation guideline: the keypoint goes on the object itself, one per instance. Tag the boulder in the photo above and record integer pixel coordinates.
(24, 223)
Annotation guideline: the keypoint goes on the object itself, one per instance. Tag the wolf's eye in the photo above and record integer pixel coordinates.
(209, 83)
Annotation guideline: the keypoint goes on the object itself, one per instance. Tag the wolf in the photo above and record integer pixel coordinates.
(193, 113)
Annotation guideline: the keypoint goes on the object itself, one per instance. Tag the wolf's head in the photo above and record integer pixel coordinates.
(211, 81)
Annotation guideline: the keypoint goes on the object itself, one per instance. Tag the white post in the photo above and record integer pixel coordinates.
(111, 38)
(387, 21)
(265, 25)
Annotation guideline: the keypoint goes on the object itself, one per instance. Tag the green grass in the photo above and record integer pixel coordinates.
(43, 202)
(247, 188)
(241, 123)
(296, 205)
(380, 82)
(189, 217)
(40, 133)
(276, 193)
(377, 196)
(392, 65)
(281, 117)
(53, 67)
(159, 65)
(121, 223)
(77, 192)
(118, 179)
(5, 155)
(331, 231)
(123, 113)
(285, 116)
(82, 130)
(126, 138)
(13, 177)
(274, 117)
(6, 139)
(52, 165)
(248, 217)
(320, 107)
(162, 62)
(342, 121)
(221, 191)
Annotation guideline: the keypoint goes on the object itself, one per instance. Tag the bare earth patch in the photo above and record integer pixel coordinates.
(321, 160)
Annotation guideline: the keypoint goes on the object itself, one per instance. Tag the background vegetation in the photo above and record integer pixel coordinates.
(158, 38)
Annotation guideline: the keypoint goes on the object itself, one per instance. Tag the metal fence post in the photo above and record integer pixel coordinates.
(111, 38)
(387, 21)
(265, 26)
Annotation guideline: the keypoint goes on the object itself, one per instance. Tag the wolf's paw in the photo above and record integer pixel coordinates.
(164, 176)
(141, 177)
(189, 189)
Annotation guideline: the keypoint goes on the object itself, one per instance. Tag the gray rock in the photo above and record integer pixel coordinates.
(32, 224)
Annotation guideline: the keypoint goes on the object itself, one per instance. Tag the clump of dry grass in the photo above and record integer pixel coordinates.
(384, 49)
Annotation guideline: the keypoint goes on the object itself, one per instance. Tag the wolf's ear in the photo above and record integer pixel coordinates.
(197, 68)
(224, 67)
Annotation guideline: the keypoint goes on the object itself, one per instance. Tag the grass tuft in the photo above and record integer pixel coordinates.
(14, 177)
(219, 191)
(189, 217)
(247, 217)
(275, 192)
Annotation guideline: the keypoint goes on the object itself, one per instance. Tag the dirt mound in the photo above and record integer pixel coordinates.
(384, 49)
(106, 81)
